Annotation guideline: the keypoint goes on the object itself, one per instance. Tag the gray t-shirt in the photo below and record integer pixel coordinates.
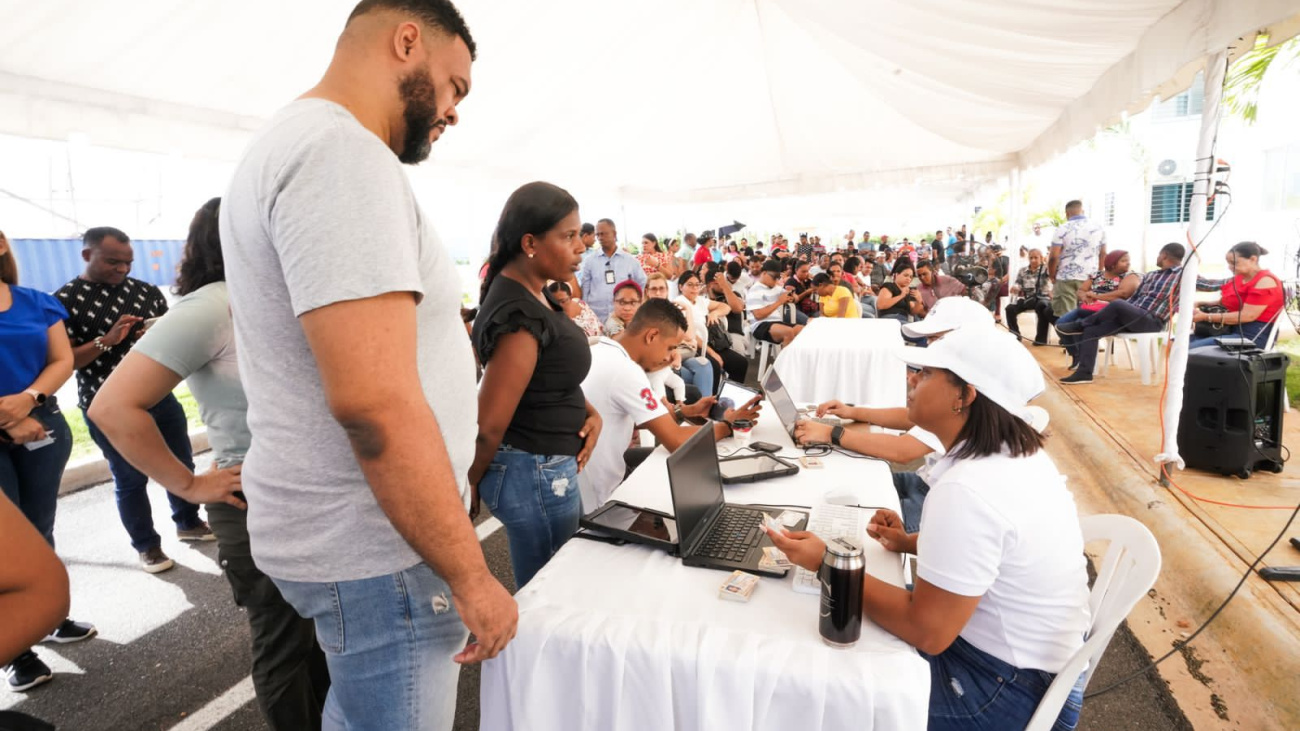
(196, 341)
(320, 211)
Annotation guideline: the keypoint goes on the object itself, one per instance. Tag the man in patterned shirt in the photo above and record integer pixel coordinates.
(1078, 249)
(107, 313)
(1147, 311)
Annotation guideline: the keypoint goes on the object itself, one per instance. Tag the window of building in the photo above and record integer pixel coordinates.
(1172, 203)
(1110, 209)
(1282, 178)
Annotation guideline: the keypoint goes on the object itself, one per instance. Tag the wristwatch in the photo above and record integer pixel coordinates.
(836, 433)
(37, 396)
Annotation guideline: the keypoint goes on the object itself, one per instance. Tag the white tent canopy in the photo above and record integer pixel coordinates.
(664, 101)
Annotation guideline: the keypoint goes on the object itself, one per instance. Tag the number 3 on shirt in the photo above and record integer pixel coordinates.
(650, 403)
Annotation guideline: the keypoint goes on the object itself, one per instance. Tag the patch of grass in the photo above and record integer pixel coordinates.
(83, 446)
(1292, 348)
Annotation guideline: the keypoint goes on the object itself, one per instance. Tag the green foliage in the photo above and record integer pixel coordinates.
(1246, 76)
(1054, 214)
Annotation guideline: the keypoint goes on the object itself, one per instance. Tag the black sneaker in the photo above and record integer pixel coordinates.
(26, 672)
(1077, 378)
(70, 631)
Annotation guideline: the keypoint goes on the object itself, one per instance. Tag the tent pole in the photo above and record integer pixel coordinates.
(1013, 222)
(1215, 70)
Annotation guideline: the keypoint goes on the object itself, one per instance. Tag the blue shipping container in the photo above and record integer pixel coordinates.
(47, 264)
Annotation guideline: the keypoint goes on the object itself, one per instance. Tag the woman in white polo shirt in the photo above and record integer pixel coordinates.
(1001, 596)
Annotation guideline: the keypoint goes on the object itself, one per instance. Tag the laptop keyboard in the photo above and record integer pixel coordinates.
(731, 537)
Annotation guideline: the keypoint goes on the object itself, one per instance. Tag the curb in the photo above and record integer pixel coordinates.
(1252, 650)
(92, 471)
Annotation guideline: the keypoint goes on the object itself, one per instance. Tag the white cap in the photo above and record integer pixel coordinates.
(991, 360)
(947, 314)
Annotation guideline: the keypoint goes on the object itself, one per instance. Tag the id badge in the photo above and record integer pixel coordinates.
(609, 276)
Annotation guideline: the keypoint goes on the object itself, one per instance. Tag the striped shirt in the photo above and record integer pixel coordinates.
(1158, 292)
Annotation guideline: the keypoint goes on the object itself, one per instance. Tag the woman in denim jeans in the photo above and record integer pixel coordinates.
(35, 442)
(535, 429)
(1000, 604)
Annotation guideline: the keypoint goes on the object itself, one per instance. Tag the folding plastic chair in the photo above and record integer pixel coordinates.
(1148, 353)
(1126, 573)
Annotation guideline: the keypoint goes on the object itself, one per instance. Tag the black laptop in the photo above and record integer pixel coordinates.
(713, 534)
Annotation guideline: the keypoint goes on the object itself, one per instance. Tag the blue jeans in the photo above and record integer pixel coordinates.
(911, 491)
(536, 497)
(868, 305)
(1070, 331)
(30, 477)
(696, 373)
(1256, 332)
(1119, 316)
(970, 690)
(130, 483)
(388, 648)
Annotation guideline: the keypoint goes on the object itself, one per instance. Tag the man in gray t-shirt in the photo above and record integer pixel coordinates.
(359, 373)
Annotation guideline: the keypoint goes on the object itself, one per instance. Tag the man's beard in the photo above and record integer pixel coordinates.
(420, 114)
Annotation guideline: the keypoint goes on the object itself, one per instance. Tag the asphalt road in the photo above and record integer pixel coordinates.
(172, 645)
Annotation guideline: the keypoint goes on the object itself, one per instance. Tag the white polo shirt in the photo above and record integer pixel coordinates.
(1007, 530)
(620, 392)
(932, 441)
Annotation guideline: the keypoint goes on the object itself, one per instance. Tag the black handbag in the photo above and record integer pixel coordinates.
(1208, 330)
(719, 339)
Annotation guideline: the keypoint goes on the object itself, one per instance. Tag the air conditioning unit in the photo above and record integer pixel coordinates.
(1168, 168)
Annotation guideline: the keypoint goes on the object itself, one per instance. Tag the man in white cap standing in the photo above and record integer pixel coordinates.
(948, 314)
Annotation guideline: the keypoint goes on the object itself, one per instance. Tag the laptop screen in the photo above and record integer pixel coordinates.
(780, 399)
(695, 483)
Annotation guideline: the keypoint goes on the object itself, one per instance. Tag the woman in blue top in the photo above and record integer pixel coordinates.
(35, 442)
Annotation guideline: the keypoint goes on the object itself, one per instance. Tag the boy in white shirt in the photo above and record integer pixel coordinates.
(619, 389)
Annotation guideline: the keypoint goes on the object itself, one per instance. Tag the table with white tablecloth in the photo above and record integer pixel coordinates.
(850, 359)
(627, 637)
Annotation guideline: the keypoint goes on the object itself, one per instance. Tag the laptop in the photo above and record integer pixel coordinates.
(786, 411)
(713, 534)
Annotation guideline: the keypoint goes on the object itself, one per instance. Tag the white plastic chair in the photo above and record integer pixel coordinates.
(1126, 573)
(766, 350)
(1148, 353)
(1275, 328)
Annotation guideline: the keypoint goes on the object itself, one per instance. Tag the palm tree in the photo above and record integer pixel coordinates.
(1246, 76)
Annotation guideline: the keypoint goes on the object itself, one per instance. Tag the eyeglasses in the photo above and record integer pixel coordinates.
(693, 284)
(627, 303)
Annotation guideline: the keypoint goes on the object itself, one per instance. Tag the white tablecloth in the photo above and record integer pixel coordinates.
(626, 637)
(852, 360)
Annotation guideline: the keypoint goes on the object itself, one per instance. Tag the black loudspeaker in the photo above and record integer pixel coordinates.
(1233, 403)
